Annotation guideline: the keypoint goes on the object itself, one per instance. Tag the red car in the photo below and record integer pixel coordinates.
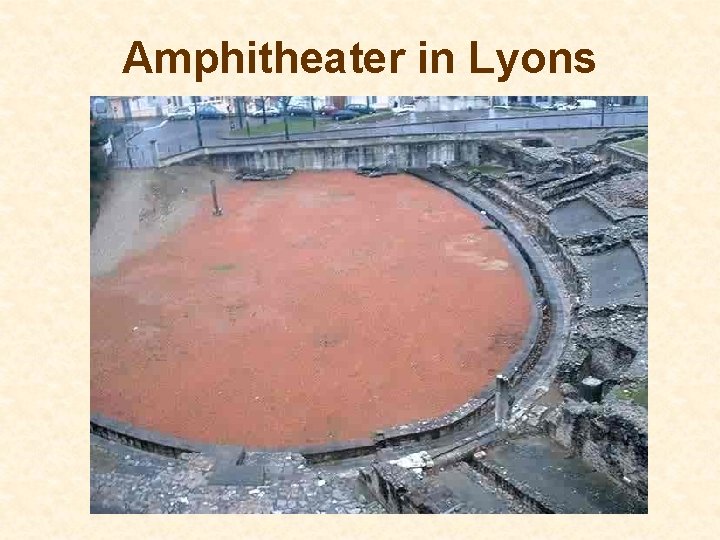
(327, 109)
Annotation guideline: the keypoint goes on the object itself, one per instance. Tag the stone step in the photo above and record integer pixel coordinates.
(473, 493)
(567, 187)
(571, 185)
(455, 490)
(543, 476)
(525, 198)
(510, 205)
(112, 457)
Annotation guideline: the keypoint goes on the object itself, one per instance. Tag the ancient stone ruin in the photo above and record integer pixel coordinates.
(563, 430)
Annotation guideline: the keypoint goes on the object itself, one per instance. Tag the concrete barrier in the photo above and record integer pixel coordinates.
(404, 151)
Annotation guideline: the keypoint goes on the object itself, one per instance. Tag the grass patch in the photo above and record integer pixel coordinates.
(223, 267)
(638, 394)
(639, 145)
(526, 109)
(490, 169)
(97, 187)
(295, 125)
(369, 118)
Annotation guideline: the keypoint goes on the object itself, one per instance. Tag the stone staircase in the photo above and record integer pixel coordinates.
(531, 474)
(573, 184)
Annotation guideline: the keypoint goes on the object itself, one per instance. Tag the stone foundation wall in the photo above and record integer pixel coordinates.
(348, 155)
(612, 438)
(615, 154)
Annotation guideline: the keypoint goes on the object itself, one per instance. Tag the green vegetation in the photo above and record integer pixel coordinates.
(295, 125)
(94, 208)
(98, 165)
(638, 394)
(368, 118)
(489, 169)
(303, 125)
(99, 172)
(639, 145)
(520, 108)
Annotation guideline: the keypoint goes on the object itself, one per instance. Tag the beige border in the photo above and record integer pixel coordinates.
(55, 54)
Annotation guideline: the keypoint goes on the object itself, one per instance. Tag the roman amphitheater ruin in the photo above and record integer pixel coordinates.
(418, 324)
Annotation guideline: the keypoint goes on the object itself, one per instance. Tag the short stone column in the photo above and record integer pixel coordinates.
(502, 400)
(591, 389)
(155, 153)
(391, 163)
(217, 211)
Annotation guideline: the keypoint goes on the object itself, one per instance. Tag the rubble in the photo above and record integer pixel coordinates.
(258, 175)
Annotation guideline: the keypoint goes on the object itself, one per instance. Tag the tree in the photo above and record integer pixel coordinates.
(99, 172)
(284, 102)
(312, 111)
(239, 110)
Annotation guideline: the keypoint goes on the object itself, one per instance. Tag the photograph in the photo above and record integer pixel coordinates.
(368, 304)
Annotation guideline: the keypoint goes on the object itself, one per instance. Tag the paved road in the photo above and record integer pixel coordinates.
(179, 136)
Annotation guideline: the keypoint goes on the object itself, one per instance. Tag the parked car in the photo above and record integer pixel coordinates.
(269, 112)
(298, 110)
(210, 112)
(404, 109)
(181, 113)
(344, 114)
(327, 109)
(586, 103)
(359, 108)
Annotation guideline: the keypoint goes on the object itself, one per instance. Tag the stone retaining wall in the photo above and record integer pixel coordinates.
(616, 153)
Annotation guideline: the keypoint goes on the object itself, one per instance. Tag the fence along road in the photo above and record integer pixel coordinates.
(138, 152)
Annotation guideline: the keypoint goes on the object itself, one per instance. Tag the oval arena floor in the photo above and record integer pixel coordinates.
(318, 308)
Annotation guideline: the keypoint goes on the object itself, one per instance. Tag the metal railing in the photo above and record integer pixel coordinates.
(128, 154)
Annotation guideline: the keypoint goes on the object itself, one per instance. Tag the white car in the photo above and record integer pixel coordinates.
(586, 104)
(269, 112)
(181, 113)
(403, 109)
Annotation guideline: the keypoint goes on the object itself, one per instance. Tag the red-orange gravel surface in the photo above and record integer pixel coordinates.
(318, 308)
